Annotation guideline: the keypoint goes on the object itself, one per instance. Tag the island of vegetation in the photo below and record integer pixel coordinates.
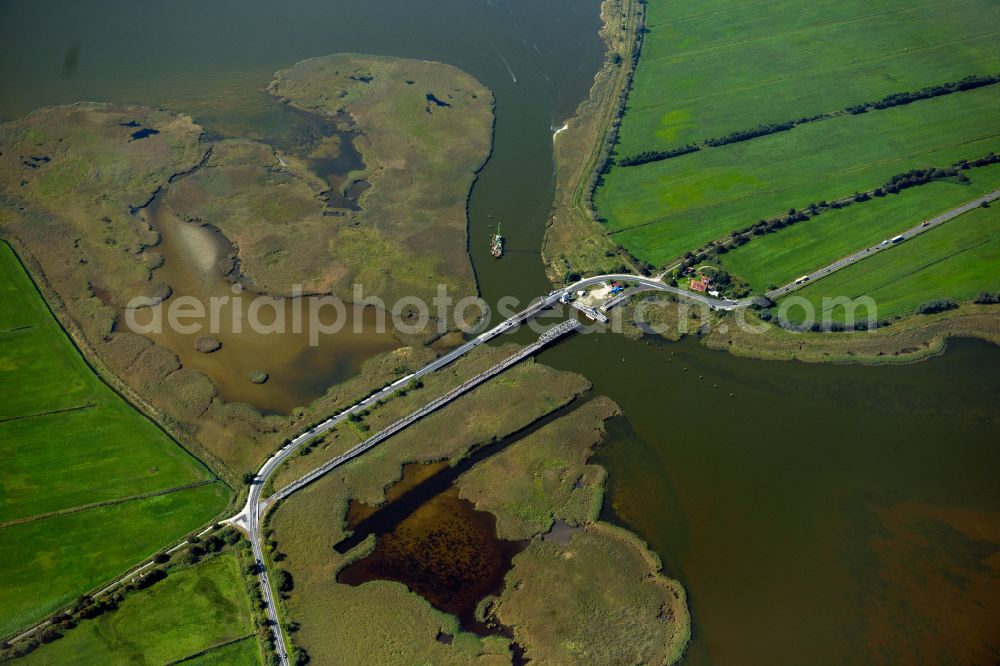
(207, 344)
(422, 130)
(544, 500)
(425, 131)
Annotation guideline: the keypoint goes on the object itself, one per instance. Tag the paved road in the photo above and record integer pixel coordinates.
(408, 420)
(887, 244)
(644, 283)
(249, 517)
(652, 284)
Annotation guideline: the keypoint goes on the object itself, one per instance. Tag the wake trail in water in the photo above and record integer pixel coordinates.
(506, 64)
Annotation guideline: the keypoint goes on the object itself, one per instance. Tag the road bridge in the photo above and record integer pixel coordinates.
(547, 337)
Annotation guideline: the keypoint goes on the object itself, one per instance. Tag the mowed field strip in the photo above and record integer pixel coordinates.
(956, 260)
(779, 258)
(67, 441)
(719, 67)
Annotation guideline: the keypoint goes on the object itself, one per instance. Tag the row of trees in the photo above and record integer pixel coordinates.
(895, 184)
(901, 98)
(760, 130)
(606, 160)
(647, 156)
(917, 177)
(895, 99)
(991, 158)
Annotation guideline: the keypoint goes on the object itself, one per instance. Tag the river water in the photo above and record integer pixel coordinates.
(816, 514)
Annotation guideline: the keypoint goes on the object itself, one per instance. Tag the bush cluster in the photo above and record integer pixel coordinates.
(991, 158)
(933, 307)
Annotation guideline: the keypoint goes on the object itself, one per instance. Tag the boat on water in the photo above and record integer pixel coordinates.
(496, 243)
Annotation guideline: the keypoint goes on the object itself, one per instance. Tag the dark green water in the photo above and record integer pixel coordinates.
(821, 515)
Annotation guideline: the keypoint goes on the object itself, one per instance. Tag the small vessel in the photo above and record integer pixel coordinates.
(496, 243)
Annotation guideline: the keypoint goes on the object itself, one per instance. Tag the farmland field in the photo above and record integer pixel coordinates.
(709, 68)
(958, 260)
(660, 210)
(77, 459)
(240, 653)
(729, 66)
(184, 614)
(780, 257)
(48, 563)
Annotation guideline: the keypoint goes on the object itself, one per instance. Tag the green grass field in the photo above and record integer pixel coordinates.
(660, 210)
(778, 258)
(48, 563)
(188, 612)
(712, 68)
(67, 441)
(709, 68)
(240, 653)
(956, 260)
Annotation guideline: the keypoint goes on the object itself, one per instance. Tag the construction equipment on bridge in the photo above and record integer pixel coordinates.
(496, 243)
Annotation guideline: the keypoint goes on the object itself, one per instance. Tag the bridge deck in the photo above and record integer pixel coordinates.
(544, 339)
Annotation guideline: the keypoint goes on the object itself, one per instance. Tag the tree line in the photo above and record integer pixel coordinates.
(87, 607)
(656, 155)
(899, 99)
(606, 159)
(970, 82)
